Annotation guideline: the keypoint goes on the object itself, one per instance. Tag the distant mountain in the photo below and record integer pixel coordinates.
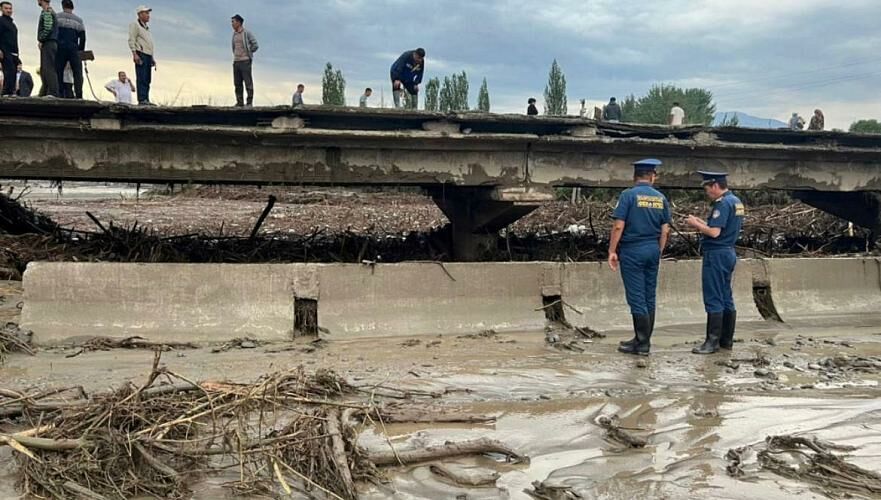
(748, 121)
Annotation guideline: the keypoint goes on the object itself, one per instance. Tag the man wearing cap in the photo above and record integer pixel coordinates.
(244, 44)
(140, 42)
(719, 236)
(639, 235)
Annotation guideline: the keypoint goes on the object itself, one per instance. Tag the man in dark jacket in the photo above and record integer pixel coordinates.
(406, 74)
(612, 111)
(47, 35)
(531, 109)
(71, 40)
(24, 82)
(8, 48)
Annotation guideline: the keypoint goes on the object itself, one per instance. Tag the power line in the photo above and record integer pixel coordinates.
(798, 86)
(794, 74)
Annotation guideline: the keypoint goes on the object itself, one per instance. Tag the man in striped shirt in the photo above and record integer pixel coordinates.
(71, 40)
(47, 36)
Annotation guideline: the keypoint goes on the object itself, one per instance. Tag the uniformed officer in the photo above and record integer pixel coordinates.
(639, 235)
(720, 234)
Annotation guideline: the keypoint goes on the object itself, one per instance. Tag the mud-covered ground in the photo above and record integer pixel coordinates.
(794, 378)
(780, 379)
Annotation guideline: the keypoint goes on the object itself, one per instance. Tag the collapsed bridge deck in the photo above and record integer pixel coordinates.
(91, 141)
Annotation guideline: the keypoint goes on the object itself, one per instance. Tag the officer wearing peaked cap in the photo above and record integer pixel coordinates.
(639, 235)
(720, 233)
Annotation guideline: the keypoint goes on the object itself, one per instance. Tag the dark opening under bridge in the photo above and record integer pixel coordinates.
(484, 171)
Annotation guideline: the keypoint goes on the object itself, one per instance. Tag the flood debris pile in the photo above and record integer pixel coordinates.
(286, 432)
(807, 459)
(370, 227)
(14, 339)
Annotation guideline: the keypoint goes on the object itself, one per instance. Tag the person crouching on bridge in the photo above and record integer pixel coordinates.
(639, 235)
(406, 74)
(719, 236)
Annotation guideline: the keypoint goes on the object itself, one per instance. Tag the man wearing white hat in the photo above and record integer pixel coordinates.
(140, 41)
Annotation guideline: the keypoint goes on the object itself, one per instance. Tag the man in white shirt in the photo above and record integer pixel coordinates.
(677, 116)
(121, 88)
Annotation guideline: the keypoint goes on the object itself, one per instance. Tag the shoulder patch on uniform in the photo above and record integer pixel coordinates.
(716, 214)
(740, 210)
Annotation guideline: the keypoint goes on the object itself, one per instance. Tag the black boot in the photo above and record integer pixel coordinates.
(642, 328)
(632, 342)
(714, 333)
(729, 320)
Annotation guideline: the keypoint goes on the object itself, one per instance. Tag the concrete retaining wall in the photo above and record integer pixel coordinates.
(214, 303)
(805, 288)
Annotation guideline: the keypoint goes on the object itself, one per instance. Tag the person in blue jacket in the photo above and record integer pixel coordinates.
(719, 236)
(406, 74)
(639, 235)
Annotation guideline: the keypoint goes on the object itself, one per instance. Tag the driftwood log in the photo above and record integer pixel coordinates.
(480, 446)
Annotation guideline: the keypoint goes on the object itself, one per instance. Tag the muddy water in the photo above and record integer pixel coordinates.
(692, 409)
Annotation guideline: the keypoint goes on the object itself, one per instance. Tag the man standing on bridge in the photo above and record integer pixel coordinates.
(244, 44)
(140, 42)
(8, 49)
(47, 36)
(71, 41)
(406, 74)
(639, 235)
(720, 235)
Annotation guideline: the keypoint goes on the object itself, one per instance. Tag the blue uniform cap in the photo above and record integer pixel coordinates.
(647, 165)
(712, 177)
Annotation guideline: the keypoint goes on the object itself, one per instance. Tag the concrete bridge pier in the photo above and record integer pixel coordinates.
(477, 214)
(863, 208)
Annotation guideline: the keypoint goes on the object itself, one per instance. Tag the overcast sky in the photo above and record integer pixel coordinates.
(765, 57)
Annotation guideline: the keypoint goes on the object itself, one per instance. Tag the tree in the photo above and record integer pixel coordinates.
(432, 95)
(628, 107)
(730, 122)
(555, 92)
(655, 106)
(453, 94)
(483, 98)
(866, 127)
(333, 87)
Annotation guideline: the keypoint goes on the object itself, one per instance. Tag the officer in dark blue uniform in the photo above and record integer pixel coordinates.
(639, 235)
(720, 233)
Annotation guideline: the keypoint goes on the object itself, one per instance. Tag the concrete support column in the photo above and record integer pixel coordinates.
(478, 214)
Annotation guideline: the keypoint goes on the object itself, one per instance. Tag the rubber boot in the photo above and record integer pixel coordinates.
(633, 341)
(729, 320)
(642, 328)
(714, 333)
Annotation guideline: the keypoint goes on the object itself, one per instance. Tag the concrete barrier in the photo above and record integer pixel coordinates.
(806, 288)
(180, 302)
(215, 303)
(598, 293)
(420, 298)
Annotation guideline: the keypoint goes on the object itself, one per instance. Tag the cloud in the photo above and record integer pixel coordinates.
(757, 56)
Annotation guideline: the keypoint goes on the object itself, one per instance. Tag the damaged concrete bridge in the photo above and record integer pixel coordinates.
(484, 171)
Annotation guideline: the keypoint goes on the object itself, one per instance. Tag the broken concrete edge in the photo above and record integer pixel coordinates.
(212, 303)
